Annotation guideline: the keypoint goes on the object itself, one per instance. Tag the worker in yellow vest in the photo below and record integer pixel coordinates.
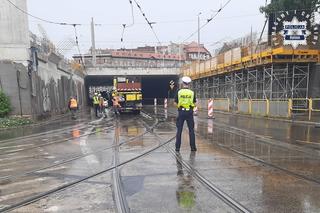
(73, 107)
(185, 101)
(96, 103)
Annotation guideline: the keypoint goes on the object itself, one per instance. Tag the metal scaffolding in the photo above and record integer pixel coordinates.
(273, 82)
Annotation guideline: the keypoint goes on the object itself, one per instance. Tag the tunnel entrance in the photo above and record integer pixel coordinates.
(152, 87)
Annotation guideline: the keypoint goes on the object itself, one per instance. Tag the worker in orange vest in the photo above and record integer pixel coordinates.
(115, 103)
(73, 107)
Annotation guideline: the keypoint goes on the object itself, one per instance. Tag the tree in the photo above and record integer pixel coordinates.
(5, 106)
(285, 5)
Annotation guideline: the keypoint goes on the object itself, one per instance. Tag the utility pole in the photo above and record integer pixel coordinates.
(199, 41)
(93, 45)
(199, 37)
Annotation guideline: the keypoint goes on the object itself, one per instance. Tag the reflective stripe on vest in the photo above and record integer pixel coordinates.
(73, 103)
(95, 100)
(185, 98)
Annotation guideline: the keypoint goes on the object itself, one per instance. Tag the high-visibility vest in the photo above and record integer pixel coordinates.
(73, 103)
(95, 100)
(115, 101)
(185, 98)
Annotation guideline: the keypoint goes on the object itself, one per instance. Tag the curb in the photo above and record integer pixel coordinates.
(311, 123)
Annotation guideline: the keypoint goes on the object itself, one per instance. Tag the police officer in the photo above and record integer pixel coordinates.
(185, 101)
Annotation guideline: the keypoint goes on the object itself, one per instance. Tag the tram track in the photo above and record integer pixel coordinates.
(201, 179)
(119, 196)
(62, 140)
(77, 157)
(54, 142)
(40, 196)
(56, 133)
(260, 161)
(235, 205)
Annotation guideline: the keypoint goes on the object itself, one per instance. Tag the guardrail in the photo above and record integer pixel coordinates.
(285, 108)
(282, 108)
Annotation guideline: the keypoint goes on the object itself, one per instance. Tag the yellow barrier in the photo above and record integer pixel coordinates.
(279, 108)
(312, 106)
(302, 105)
(222, 104)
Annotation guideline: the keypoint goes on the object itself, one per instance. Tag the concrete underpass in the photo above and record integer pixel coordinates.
(152, 86)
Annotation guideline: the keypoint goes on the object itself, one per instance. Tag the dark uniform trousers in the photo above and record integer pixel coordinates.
(185, 116)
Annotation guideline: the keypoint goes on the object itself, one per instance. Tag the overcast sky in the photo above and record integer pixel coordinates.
(175, 21)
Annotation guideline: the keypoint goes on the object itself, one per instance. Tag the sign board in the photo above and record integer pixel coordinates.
(295, 29)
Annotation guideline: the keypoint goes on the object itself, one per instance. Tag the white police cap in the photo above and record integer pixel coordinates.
(186, 79)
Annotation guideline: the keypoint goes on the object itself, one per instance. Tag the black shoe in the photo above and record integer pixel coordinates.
(193, 149)
(177, 150)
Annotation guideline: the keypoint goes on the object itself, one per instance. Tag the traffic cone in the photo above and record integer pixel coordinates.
(210, 109)
(165, 103)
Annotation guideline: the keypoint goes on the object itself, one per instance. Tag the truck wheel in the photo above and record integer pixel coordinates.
(136, 112)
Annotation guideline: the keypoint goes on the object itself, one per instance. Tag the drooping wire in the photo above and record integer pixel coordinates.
(125, 25)
(36, 17)
(208, 20)
(148, 22)
(78, 47)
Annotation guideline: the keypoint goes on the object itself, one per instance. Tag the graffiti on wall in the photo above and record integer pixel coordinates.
(46, 103)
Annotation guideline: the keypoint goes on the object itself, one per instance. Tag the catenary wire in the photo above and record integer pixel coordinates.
(148, 22)
(130, 25)
(36, 17)
(208, 20)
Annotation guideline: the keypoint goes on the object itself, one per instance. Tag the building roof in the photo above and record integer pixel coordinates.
(193, 47)
(146, 55)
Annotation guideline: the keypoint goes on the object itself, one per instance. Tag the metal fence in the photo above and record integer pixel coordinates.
(279, 108)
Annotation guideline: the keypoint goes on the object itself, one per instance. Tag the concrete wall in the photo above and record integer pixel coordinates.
(52, 87)
(44, 87)
(14, 81)
(43, 93)
(14, 33)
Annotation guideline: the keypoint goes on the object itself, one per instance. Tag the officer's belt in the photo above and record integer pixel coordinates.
(184, 109)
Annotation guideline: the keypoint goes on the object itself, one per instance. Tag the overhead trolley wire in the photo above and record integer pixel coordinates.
(130, 25)
(208, 20)
(56, 23)
(78, 47)
(41, 19)
(148, 22)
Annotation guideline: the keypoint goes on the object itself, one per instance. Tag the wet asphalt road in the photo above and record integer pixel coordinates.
(235, 155)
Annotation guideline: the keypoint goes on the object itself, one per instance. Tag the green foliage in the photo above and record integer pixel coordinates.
(14, 122)
(285, 5)
(5, 106)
